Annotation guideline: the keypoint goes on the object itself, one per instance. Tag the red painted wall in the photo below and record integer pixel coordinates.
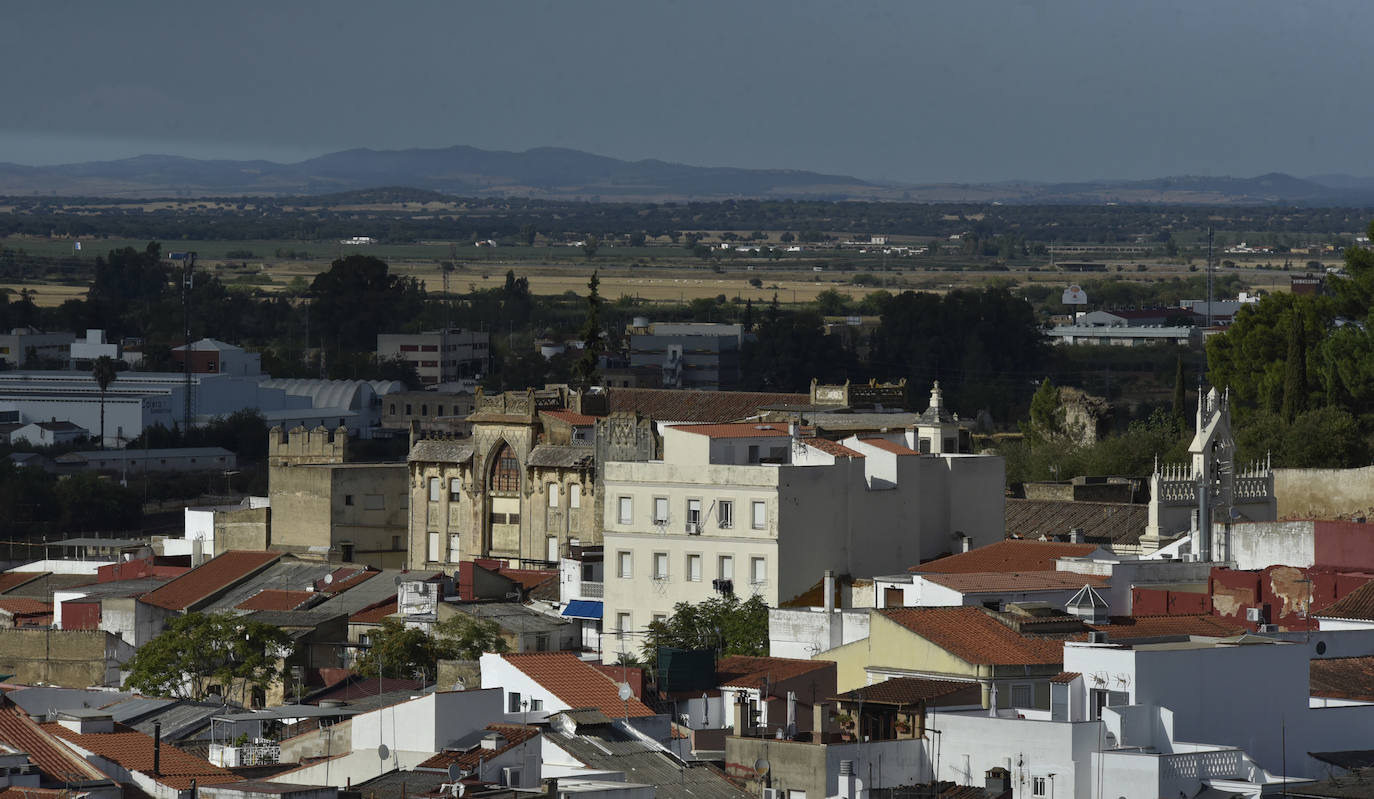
(1343, 545)
(78, 615)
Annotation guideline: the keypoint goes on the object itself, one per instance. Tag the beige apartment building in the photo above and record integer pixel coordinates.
(756, 509)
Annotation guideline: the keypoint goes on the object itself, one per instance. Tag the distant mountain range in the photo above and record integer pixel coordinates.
(556, 173)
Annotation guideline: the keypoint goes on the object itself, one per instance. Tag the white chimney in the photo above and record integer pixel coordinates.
(791, 710)
(847, 779)
(829, 585)
(965, 542)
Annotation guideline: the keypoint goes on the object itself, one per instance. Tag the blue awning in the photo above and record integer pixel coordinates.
(583, 609)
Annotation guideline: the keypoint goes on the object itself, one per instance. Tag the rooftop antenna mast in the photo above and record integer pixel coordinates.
(188, 260)
(1209, 279)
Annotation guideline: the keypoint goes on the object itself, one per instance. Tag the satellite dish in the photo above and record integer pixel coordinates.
(1074, 295)
(383, 752)
(454, 772)
(624, 692)
(761, 767)
(328, 579)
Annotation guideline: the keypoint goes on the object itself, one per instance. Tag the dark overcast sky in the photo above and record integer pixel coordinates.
(964, 90)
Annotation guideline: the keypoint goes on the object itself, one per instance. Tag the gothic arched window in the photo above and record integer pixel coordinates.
(505, 470)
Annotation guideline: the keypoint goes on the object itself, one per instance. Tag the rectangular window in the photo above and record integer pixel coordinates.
(348, 499)
(626, 510)
(725, 567)
(455, 489)
(435, 489)
(660, 618)
(1021, 695)
(660, 565)
(574, 497)
(432, 549)
(660, 510)
(1038, 786)
(694, 568)
(693, 514)
(541, 644)
(725, 514)
(624, 564)
(374, 502)
(538, 704)
(760, 515)
(758, 571)
(454, 547)
(622, 625)
(513, 702)
(553, 495)
(753, 453)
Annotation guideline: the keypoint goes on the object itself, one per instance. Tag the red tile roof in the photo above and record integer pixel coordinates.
(572, 417)
(276, 599)
(833, 448)
(889, 446)
(1065, 677)
(1358, 605)
(374, 613)
(1006, 556)
(575, 683)
(1129, 628)
(1342, 678)
(738, 430)
(670, 405)
(530, 578)
(744, 671)
(515, 734)
(34, 793)
(911, 690)
(974, 636)
(993, 582)
(209, 579)
(23, 606)
(1112, 521)
(345, 578)
(10, 580)
(134, 751)
(18, 731)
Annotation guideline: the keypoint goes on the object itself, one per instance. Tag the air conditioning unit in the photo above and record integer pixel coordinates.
(510, 777)
(1097, 637)
(1269, 628)
(723, 586)
(770, 793)
(1254, 614)
(693, 528)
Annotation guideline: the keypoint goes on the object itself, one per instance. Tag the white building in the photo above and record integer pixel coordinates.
(50, 433)
(93, 346)
(752, 509)
(439, 356)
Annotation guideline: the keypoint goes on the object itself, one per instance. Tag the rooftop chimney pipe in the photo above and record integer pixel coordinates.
(157, 749)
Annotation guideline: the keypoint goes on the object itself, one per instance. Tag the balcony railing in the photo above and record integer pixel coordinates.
(592, 590)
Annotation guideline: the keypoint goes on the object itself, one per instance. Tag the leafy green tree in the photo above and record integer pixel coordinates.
(87, 503)
(357, 299)
(590, 245)
(723, 623)
(1180, 395)
(593, 337)
(199, 650)
(789, 350)
(400, 651)
(1295, 374)
(832, 303)
(1046, 414)
(467, 638)
(105, 373)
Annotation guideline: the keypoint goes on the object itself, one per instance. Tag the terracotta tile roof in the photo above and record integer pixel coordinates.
(738, 430)
(670, 405)
(833, 448)
(276, 599)
(10, 580)
(34, 793)
(888, 446)
(345, 578)
(575, 683)
(990, 582)
(134, 751)
(530, 578)
(571, 417)
(1129, 628)
(1065, 677)
(209, 578)
(18, 731)
(1118, 523)
(374, 613)
(1342, 678)
(912, 690)
(744, 671)
(1358, 605)
(23, 606)
(1005, 556)
(515, 734)
(974, 636)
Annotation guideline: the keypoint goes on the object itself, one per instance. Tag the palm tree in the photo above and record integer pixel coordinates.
(104, 372)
